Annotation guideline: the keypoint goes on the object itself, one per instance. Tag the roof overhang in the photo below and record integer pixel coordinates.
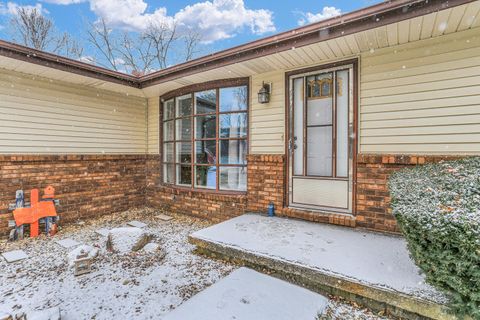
(354, 23)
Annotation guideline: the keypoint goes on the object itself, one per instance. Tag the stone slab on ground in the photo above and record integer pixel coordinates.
(137, 224)
(335, 259)
(164, 217)
(127, 239)
(68, 243)
(103, 232)
(246, 294)
(14, 256)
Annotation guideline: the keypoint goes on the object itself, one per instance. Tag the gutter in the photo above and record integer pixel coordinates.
(367, 18)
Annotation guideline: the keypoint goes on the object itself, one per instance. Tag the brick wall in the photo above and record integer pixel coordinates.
(92, 185)
(373, 198)
(87, 185)
(266, 181)
(203, 204)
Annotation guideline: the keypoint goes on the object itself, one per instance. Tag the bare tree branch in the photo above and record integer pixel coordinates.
(137, 53)
(191, 41)
(32, 29)
(101, 38)
(162, 36)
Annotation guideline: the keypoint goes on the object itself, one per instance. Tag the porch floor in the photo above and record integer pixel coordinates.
(375, 267)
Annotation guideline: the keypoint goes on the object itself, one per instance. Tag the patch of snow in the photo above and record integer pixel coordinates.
(365, 257)
(68, 243)
(127, 239)
(49, 314)
(103, 232)
(14, 256)
(246, 294)
(139, 285)
(151, 247)
(5, 315)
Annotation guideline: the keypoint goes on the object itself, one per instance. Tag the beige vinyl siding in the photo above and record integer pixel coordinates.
(153, 125)
(40, 115)
(267, 121)
(422, 97)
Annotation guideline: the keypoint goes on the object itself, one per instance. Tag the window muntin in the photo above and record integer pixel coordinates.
(205, 139)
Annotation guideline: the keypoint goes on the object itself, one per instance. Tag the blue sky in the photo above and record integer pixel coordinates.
(220, 23)
(284, 14)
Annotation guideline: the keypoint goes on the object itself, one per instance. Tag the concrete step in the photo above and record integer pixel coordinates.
(372, 269)
(246, 294)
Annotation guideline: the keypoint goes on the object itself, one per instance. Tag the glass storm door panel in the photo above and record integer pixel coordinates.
(321, 140)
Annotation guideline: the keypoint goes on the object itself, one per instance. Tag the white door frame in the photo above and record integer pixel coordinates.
(334, 194)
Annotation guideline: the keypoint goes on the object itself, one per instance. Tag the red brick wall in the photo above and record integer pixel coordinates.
(373, 198)
(93, 185)
(87, 185)
(203, 204)
(266, 181)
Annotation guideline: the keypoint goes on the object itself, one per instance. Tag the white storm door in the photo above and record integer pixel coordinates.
(321, 140)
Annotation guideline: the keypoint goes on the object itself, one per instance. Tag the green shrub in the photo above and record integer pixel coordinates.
(438, 209)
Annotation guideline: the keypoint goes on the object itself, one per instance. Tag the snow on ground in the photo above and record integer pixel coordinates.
(365, 257)
(339, 309)
(139, 285)
(142, 285)
(246, 294)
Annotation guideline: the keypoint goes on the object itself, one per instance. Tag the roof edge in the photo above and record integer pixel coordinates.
(356, 21)
(46, 59)
(360, 20)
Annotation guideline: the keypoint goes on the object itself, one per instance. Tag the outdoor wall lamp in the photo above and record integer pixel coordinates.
(264, 92)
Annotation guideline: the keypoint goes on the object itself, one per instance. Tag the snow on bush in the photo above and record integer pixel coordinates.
(438, 209)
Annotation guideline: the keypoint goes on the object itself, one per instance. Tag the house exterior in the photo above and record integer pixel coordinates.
(352, 99)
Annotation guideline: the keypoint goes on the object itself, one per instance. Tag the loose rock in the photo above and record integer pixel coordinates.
(125, 240)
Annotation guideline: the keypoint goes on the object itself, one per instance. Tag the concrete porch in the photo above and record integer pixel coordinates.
(372, 269)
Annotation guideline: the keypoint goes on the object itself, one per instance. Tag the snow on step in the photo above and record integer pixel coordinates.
(67, 243)
(14, 256)
(137, 224)
(369, 258)
(245, 295)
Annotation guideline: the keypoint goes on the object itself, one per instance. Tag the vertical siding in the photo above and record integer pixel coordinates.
(267, 121)
(153, 125)
(44, 116)
(422, 97)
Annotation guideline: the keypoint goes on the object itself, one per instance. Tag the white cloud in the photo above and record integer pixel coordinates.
(127, 14)
(221, 19)
(214, 20)
(64, 2)
(12, 8)
(119, 61)
(87, 59)
(327, 12)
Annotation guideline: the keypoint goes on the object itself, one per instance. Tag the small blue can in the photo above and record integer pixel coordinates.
(271, 209)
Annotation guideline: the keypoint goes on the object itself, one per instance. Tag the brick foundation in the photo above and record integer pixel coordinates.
(203, 204)
(87, 185)
(92, 185)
